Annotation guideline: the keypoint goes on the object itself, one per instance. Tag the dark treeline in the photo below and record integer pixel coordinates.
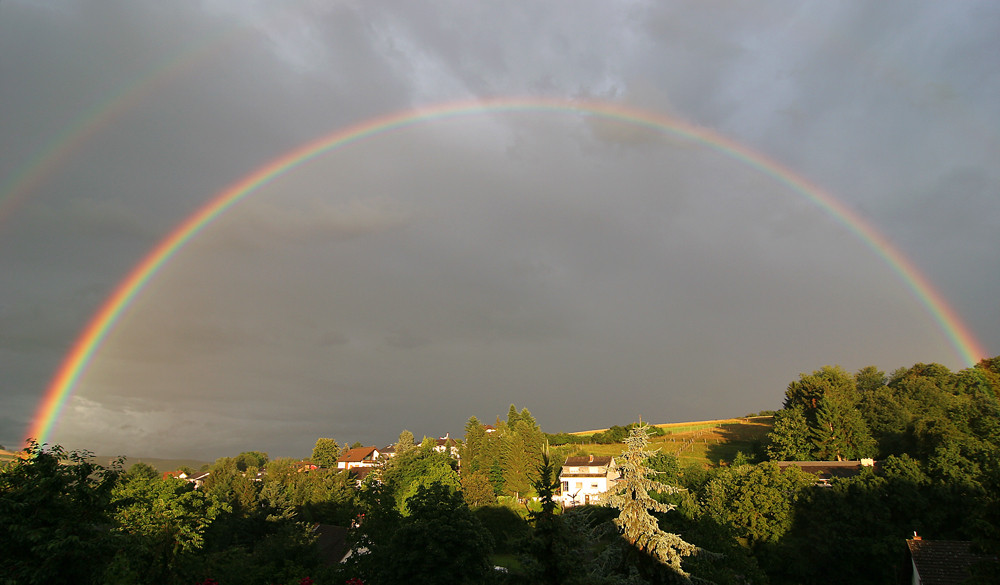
(449, 513)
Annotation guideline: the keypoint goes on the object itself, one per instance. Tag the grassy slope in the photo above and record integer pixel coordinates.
(705, 442)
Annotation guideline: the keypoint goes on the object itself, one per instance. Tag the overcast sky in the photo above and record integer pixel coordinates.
(592, 272)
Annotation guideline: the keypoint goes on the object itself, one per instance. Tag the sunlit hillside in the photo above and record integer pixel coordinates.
(707, 442)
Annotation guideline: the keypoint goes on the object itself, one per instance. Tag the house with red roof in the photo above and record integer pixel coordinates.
(358, 457)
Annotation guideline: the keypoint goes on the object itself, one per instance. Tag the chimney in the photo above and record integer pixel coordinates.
(916, 536)
(591, 459)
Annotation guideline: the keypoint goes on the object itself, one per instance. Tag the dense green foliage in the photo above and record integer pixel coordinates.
(52, 504)
(421, 517)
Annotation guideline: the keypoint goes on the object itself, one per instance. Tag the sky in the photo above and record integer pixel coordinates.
(590, 269)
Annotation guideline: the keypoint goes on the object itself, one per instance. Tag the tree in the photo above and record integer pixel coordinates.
(631, 496)
(518, 463)
(54, 517)
(869, 379)
(840, 432)
(828, 381)
(789, 438)
(164, 519)
(473, 447)
(405, 442)
(512, 416)
(477, 489)
(325, 453)
(755, 502)
(440, 541)
(248, 459)
(405, 473)
(141, 470)
(554, 553)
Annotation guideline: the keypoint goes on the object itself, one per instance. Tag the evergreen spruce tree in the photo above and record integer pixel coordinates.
(631, 496)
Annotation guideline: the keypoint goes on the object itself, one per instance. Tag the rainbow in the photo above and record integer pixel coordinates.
(82, 352)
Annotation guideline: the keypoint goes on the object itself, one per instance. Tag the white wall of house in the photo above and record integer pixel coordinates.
(585, 484)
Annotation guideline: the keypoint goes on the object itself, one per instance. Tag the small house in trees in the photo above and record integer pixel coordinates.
(358, 457)
(586, 477)
(940, 562)
(447, 446)
(198, 479)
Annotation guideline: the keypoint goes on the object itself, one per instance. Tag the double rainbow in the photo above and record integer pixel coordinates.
(960, 337)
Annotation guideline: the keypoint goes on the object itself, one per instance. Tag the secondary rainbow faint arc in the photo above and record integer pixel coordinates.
(961, 338)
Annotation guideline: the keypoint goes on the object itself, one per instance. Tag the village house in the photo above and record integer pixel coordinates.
(585, 478)
(197, 479)
(358, 457)
(447, 445)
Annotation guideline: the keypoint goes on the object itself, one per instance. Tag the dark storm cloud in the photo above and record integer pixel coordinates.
(457, 266)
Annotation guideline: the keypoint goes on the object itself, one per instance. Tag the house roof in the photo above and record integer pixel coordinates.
(358, 454)
(942, 562)
(360, 473)
(332, 543)
(827, 468)
(589, 461)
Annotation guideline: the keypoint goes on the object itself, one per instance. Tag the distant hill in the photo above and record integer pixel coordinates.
(161, 465)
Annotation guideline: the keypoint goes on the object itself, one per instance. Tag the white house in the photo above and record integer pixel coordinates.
(585, 478)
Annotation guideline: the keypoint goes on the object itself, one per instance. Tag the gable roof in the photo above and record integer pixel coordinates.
(942, 562)
(589, 461)
(358, 454)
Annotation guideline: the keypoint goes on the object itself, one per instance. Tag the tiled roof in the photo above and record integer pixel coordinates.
(942, 562)
(360, 473)
(588, 461)
(357, 454)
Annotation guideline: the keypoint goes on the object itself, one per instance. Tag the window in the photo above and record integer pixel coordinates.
(565, 486)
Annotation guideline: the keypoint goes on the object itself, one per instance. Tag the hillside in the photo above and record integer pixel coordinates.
(105, 460)
(161, 465)
(707, 442)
